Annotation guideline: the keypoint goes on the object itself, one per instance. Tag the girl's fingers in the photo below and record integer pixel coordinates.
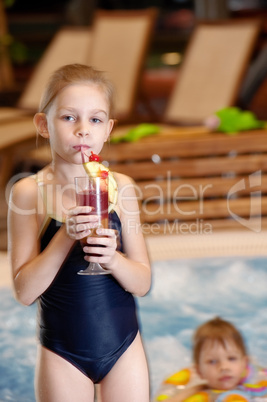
(107, 244)
(82, 235)
(101, 249)
(77, 219)
(80, 210)
(106, 232)
(80, 226)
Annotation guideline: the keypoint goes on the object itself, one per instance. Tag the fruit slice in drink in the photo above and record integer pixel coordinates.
(94, 167)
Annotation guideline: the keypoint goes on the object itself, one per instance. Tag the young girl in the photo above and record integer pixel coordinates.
(87, 325)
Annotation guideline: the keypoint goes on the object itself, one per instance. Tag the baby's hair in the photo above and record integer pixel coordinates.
(216, 330)
(75, 74)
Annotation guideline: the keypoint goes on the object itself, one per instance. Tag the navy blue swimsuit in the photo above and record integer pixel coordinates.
(88, 320)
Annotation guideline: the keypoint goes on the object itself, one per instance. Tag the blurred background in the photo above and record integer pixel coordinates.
(30, 27)
(35, 37)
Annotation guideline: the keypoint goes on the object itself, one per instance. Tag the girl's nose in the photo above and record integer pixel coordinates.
(83, 132)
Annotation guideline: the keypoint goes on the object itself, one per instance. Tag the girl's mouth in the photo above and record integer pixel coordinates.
(80, 147)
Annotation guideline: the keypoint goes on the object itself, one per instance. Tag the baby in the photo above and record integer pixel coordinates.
(221, 372)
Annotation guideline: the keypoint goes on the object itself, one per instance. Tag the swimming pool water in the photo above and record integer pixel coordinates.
(184, 294)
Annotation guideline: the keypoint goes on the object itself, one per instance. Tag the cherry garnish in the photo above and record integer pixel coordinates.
(94, 157)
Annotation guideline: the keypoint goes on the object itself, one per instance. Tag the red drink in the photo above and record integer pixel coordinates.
(82, 198)
(99, 201)
(92, 190)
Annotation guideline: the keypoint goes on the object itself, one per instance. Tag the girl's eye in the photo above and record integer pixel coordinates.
(68, 118)
(95, 120)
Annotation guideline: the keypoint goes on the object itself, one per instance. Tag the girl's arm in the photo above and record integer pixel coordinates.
(132, 269)
(32, 271)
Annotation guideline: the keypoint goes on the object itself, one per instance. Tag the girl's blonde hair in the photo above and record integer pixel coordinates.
(75, 74)
(216, 330)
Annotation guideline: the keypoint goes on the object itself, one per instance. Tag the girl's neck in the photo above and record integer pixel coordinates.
(64, 172)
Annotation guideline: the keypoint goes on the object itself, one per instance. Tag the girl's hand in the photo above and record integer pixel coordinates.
(101, 248)
(79, 223)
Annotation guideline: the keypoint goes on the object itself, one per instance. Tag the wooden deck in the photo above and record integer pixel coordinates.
(189, 180)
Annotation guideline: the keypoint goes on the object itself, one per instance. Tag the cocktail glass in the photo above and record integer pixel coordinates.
(92, 190)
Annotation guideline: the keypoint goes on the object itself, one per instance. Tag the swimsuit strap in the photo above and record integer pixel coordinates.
(42, 192)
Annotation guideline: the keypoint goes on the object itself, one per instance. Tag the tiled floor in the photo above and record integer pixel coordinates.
(225, 243)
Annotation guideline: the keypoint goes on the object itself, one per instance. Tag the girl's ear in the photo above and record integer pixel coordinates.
(40, 123)
(111, 124)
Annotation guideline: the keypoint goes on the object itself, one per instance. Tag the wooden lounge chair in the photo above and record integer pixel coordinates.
(69, 45)
(117, 44)
(6, 71)
(17, 132)
(120, 45)
(211, 74)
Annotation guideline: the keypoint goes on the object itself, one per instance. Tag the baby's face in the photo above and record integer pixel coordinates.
(221, 366)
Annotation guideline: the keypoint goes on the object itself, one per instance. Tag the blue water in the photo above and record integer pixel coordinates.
(184, 294)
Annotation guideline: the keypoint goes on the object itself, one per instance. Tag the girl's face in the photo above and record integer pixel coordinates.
(78, 117)
(221, 366)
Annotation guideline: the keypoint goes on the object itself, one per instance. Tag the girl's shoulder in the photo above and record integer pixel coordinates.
(25, 186)
(26, 189)
(123, 180)
(31, 182)
(128, 196)
(23, 194)
(127, 188)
